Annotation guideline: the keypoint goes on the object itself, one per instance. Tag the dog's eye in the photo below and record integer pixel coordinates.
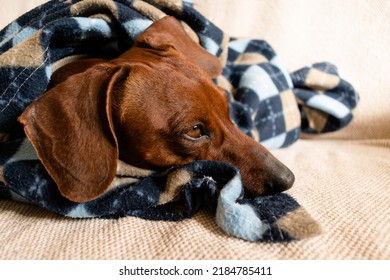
(196, 132)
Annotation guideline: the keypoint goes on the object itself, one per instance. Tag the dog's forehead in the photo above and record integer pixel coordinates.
(167, 61)
(174, 71)
(164, 85)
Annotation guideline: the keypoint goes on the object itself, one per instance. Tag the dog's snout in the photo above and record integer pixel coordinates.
(263, 174)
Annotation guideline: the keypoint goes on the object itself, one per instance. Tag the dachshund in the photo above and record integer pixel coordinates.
(154, 107)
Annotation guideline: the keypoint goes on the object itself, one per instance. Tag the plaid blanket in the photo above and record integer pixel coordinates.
(266, 102)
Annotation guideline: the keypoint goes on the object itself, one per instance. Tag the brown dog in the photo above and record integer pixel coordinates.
(153, 107)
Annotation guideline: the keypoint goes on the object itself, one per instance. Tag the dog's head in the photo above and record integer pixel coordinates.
(154, 107)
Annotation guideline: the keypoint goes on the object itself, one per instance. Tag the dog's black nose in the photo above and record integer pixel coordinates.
(280, 178)
(283, 181)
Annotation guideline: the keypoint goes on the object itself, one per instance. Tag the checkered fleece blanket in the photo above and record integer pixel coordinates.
(266, 102)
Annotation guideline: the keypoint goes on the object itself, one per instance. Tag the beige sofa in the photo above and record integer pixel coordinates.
(342, 178)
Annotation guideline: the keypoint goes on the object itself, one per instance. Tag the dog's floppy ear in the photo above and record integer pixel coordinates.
(168, 32)
(72, 130)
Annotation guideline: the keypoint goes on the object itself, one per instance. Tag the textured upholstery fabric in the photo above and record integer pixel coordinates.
(342, 178)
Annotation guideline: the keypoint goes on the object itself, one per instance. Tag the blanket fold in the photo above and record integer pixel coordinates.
(266, 102)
